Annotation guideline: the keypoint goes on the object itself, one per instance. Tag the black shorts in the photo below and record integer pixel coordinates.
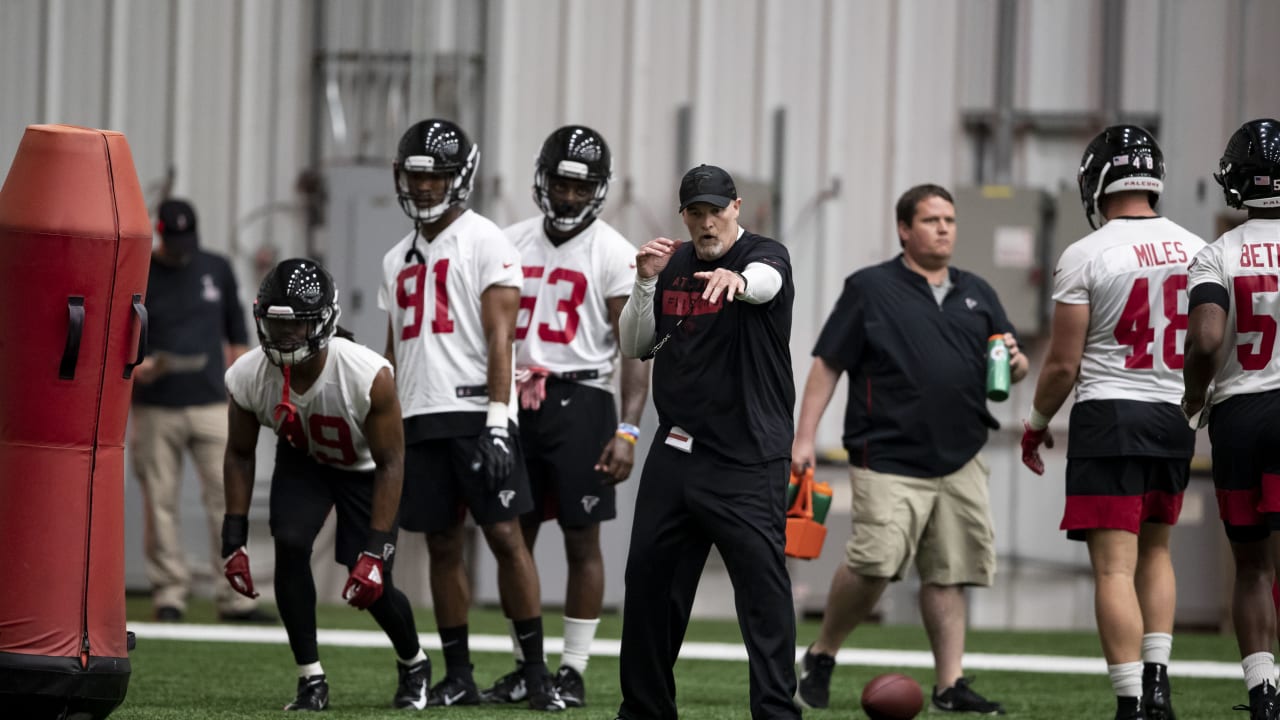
(1121, 493)
(439, 485)
(1245, 432)
(562, 440)
(303, 491)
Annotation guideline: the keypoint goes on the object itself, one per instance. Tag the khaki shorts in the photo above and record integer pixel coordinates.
(942, 523)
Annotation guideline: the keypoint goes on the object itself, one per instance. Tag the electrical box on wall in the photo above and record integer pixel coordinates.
(1002, 236)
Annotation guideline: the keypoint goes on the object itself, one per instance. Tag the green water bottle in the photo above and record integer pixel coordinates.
(997, 368)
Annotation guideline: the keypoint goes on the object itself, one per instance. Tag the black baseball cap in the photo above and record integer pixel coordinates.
(176, 220)
(708, 184)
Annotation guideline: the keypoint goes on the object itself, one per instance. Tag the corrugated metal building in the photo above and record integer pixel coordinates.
(279, 119)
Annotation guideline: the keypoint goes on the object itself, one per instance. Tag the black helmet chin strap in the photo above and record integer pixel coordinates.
(414, 253)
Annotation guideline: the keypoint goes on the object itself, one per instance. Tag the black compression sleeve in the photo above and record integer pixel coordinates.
(1209, 293)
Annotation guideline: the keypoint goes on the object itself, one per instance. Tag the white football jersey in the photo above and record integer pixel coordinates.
(564, 320)
(1133, 275)
(1246, 261)
(440, 348)
(332, 410)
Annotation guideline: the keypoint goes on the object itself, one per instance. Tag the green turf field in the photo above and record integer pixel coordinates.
(197, 680)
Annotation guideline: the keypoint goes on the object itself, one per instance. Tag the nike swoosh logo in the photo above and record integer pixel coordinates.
(565, 402)
(633, 266)
(421, 702)
(506, 265)
(526, 636)
(451, 699)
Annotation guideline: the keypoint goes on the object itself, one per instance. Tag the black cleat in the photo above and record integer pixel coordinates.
(1263, 703)
(415, 684)
(453, 691)
(1129, 708)
(542, 690)
(570, 686)
(962, 699)
(256, 616)
(313, 694)
(1157, 703)
(814, 688)
(509, 688)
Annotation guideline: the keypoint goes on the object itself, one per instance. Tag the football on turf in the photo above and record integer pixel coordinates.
(892, 696)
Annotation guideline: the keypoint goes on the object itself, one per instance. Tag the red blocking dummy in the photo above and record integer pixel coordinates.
(75, 247)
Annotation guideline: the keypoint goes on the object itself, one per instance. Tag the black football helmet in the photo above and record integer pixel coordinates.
(435, 146)
(1249, 171)
(578, 153)
(1121, 158)
(296, 311)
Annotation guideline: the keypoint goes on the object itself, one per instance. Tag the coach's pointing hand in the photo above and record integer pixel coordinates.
(652, 256)
(721, 281)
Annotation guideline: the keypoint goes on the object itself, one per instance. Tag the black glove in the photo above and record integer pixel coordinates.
(493, 456)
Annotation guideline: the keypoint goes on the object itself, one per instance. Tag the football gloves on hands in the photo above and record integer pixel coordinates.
(235, 535)
(493, 457)
(364, 586)
(1031, 442)
(236, 568)
(368, 575)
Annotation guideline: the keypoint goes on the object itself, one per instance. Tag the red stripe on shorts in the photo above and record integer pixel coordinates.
(1120, 512)
(1239, 507)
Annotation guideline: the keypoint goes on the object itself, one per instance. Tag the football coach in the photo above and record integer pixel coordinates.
(714, 316)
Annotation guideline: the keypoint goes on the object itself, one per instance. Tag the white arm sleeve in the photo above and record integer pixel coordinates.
(763, 283)
(636, 322)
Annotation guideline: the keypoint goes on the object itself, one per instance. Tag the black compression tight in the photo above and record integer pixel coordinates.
(296, 599)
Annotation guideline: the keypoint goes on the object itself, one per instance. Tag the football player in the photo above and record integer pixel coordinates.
(332, 404)
(451, 290)
(1120, 304)
(1235, 307)
(578, 273)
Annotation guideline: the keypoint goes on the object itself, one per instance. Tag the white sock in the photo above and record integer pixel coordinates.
(1156, 648)
(1259, 667)
(413, 660)
(515, 642)
(1126, 679)
(310, 670)
(578, 635)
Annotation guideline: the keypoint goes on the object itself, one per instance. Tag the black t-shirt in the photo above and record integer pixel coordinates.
(1129, 428)
(724, 375)
(917, 372)
(191, 311)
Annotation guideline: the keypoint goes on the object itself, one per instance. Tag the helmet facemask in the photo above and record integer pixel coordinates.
(296, 312)
(446, 160)
(291, 338)
(567, 216)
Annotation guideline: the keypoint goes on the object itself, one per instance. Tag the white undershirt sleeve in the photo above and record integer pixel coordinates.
(763, 283)
(636, 322)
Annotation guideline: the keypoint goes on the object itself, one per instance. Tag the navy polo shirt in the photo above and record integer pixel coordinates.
(917, 371)
(192, 310)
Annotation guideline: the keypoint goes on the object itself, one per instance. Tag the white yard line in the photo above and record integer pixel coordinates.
(690, 650)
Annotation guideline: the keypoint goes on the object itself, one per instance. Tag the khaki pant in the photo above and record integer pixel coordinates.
(942, 523)
(158, 438)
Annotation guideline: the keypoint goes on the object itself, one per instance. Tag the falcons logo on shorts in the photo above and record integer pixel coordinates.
(589, 503)
(505, 496)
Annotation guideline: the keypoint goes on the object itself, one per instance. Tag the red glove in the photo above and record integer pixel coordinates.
(1031, 441)
(364, 587)
(531, 384)
(236, 568)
